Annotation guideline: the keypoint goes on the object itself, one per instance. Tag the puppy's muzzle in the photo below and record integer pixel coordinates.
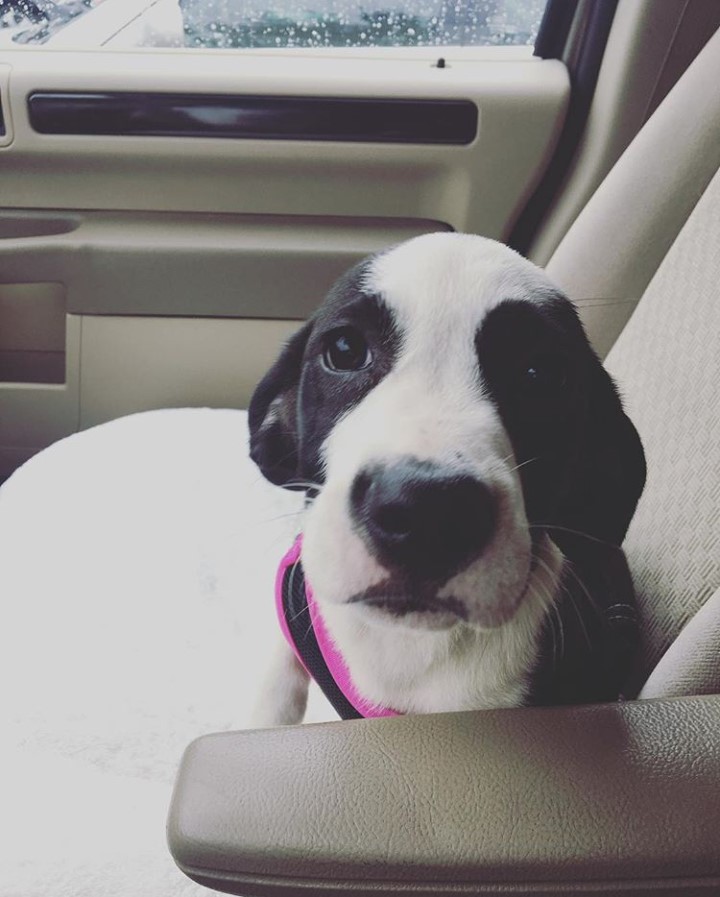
(421, 520)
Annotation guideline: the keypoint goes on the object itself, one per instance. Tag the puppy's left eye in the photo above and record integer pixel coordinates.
(346, 350)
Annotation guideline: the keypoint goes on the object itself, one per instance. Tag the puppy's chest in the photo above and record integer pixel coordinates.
(421, 672)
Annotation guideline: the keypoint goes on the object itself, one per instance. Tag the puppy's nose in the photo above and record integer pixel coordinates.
(418, 517)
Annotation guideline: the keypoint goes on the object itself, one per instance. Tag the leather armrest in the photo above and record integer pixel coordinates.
(621, 798)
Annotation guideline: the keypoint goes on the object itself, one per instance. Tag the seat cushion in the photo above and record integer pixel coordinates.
(137, 565)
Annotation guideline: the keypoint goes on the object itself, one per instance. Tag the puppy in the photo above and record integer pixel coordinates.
(470, 477)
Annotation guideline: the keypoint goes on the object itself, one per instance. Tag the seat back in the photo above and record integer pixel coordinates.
(615, 246)
(667, 365)
(667, 362)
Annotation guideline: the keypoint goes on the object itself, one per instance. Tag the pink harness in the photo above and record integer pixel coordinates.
(312, 644)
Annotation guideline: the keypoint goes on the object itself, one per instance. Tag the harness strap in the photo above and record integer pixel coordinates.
(304, 628)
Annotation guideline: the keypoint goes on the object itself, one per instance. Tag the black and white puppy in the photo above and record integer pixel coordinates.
(472, 474)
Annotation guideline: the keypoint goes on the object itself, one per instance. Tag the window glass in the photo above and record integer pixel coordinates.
(237, 24)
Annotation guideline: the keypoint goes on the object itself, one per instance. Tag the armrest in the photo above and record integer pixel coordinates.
(621, 798)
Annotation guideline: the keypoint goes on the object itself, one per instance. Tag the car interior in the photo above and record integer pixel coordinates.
(164, 228)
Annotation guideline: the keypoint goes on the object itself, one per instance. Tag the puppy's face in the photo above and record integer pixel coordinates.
(441, 401)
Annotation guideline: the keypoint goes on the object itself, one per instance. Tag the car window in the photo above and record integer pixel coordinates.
(36, 21)
(247, 24)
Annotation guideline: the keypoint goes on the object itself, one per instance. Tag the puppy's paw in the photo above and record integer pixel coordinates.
(283, 697)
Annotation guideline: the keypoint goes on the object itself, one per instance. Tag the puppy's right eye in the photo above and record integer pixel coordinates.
(346, 350)
(544, 375)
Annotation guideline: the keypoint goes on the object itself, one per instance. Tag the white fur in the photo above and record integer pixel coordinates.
(431, 406)
(421, 670)
(283, 698)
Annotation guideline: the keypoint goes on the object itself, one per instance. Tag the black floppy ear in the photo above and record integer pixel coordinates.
(272, 415)
(610, 465)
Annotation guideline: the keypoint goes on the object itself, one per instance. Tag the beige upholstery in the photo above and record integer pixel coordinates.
(666, 359)
(618, 241)
(668, 366)
(691, 665)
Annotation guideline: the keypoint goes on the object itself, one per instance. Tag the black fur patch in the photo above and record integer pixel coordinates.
(582, 470)
(327, 395)
(299, 401)
(581, 463)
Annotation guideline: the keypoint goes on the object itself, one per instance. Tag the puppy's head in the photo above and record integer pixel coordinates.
(446, 412)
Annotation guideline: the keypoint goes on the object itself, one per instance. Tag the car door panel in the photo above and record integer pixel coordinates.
(184, 259)
(477, 186)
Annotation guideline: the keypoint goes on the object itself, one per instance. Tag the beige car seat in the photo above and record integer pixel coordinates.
(667, 361)
(608, 799)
